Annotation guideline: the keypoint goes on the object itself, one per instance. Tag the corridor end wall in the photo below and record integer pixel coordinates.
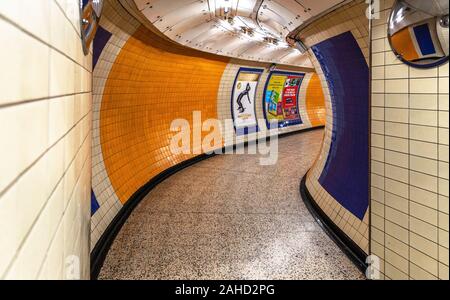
(142, 82)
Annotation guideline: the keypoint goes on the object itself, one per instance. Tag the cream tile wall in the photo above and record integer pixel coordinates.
(409, 163)
(45, 123)
(350, 17)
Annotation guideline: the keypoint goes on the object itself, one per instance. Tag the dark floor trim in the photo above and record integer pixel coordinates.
(347, 245)
(100, 251)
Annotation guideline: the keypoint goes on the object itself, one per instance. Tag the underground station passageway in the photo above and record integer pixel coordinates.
(217, 220)
(224, 140)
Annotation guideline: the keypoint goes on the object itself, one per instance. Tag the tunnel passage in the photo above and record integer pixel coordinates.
(144, 82)
(85, 130)
(195, 226)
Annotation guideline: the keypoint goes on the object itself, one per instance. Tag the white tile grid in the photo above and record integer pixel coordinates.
(350, 17)
(409, 164)
(46, 98)
(114, 22)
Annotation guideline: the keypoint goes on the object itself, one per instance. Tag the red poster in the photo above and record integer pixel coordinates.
(290, 92)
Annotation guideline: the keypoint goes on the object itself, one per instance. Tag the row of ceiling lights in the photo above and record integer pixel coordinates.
(225, 13)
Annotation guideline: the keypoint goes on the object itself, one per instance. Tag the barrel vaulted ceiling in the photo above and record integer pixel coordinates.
(246, 29)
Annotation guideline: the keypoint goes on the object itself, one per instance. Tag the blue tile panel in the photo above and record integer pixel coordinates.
(101, 39)
(424, 39)
(94, 203)
(346, 172)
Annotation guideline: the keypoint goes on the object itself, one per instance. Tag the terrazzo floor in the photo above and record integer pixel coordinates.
(230, 218)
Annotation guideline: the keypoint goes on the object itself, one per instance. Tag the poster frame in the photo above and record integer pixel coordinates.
(252, 129)
(285, 123)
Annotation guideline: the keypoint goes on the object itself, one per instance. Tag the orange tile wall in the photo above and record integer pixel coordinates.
(315, 101)
(152, 83)
(141, 83)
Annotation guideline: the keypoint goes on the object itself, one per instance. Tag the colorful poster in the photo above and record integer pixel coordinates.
(243, 100)
(281, 98)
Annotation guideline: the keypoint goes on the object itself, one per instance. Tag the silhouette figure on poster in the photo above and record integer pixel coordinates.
(246, 92)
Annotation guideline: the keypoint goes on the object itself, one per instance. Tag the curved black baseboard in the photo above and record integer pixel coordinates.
(101, 249)
(347, 245)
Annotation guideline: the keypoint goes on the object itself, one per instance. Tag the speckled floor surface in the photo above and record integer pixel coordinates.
(230, 218)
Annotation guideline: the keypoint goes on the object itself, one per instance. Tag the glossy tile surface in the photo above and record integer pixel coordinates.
(230, 218)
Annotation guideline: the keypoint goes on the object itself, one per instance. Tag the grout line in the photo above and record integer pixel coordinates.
(23, 30)
(438, 171)
(61, 220)
(404, 153)
(384, 169)
(17, 103)
(405, 168)
(67, 18)
(21, 174)
(30, 229)
(409, 171)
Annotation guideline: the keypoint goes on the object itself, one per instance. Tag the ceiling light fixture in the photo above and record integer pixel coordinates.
(271, 40)
(224, 7)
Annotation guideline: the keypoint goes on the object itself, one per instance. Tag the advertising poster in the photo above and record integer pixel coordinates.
(243, 100)
(281, 98)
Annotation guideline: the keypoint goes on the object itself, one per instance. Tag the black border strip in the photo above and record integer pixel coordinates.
(347, 245)
(101, 249)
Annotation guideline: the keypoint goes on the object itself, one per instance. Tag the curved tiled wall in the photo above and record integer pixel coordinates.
(315, 101)
(339, 181)
(142, 82)
(345, 173)
(408, 186)
(150, 84)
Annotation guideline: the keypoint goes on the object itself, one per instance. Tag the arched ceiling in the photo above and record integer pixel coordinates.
(246, 29)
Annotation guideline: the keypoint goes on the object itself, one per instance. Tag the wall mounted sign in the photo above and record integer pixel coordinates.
(418, 32)
(281, 98)
(243, 97)
(90, 11)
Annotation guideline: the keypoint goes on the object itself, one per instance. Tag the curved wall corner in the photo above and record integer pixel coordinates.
(142, 82)
(338, 182)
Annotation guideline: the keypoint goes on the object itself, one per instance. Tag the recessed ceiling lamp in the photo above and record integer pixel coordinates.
(223, 8)
(226, 6)
(271, 40)
(248, 30)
